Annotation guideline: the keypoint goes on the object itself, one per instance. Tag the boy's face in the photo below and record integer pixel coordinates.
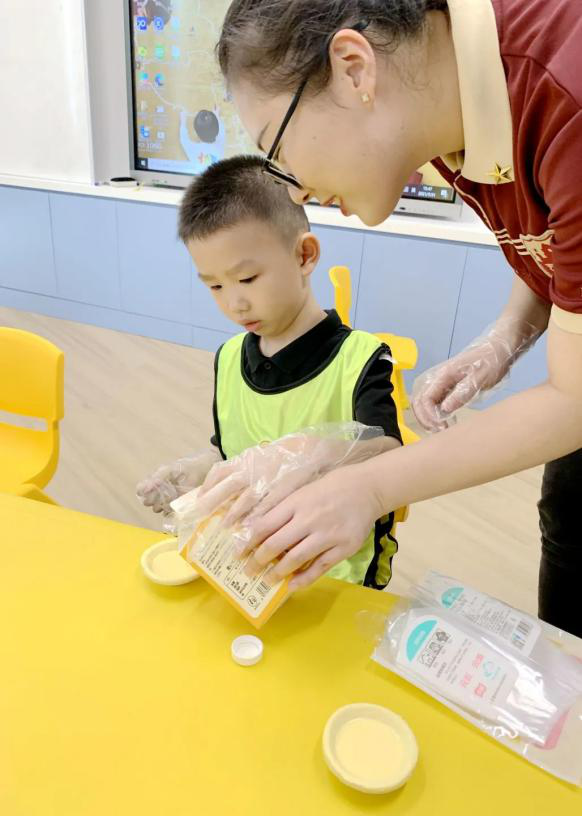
(257, 279)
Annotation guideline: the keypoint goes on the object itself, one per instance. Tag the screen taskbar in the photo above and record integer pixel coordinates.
(422, 191)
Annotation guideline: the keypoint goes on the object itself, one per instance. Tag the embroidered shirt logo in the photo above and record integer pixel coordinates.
(538, 247)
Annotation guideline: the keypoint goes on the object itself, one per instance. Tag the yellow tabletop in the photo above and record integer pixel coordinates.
(118, 696)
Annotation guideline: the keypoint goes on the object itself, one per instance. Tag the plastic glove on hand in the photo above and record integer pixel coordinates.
(169, 482)
(439, 392)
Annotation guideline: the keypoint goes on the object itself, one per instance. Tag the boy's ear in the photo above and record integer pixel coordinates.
(308, 252)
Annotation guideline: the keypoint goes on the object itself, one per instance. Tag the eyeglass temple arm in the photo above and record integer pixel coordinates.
(357, 27)
(285, 121)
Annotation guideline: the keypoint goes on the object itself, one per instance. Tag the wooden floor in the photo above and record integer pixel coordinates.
(133, 403)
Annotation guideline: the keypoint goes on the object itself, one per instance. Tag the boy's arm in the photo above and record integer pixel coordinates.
(169, 482)
(374, 403)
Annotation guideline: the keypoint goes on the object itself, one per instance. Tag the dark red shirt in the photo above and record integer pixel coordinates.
(537, 219)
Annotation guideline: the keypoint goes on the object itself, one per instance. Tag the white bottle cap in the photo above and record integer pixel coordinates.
(247, 650)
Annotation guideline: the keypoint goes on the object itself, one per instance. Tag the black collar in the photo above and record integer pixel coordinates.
(297, 354)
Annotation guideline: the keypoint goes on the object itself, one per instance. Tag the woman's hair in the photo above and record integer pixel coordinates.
(278, 43)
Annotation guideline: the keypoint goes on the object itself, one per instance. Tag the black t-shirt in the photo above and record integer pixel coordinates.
(311, 353)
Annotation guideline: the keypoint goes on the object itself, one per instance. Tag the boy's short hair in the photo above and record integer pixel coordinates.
(235, 190)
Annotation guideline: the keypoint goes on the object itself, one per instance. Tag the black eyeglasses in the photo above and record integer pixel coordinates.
(269, 167)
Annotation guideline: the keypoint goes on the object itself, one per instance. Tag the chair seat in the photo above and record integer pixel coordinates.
(26, 456)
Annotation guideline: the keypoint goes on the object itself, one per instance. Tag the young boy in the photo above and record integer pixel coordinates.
(295, 365)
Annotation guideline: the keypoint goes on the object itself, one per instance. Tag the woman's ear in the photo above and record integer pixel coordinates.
(353, 69)
(308, 253)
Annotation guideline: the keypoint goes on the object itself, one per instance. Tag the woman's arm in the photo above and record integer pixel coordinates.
(525, 307)
(528, 429)
(441, 391)
(324, 522)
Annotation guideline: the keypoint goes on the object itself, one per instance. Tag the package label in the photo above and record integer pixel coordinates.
(455, 664)
(519, 630)
(214, 553)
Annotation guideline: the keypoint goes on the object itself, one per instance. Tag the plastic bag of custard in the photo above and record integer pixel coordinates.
(256, 480)
(513, 676)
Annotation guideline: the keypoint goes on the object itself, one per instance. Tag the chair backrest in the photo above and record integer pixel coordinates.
(341, 280)
(342, 285)
(31, 375)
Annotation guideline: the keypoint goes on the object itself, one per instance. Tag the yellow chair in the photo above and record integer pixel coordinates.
(404, 352)
(31, 385)
(404, 349)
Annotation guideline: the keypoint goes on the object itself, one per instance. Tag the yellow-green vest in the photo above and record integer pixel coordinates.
(246, 417)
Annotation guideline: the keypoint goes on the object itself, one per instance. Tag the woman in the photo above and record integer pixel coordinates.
(348, 98)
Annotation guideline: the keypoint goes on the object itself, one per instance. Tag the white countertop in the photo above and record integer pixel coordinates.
(468, 230)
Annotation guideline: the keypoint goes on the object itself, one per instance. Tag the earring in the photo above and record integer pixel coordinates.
(365, 98)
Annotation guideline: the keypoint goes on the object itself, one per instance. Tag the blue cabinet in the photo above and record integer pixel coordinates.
(411, 287)
(154, 266)
(85, 241)
(120, 264)
(484, 292)
(209, 339)
(205, 312)
(339, 247)
(26, 247)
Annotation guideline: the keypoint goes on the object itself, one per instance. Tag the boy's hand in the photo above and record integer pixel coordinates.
(169, 482)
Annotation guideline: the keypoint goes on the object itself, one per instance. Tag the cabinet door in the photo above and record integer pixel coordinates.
(208, 339)
(154, 266)
(485, 290)
(26, 254)
(85, 241)
(411, 287)
(205, 312)
(339, 247)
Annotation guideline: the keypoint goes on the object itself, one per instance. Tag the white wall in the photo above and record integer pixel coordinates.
(45, 127)
(105, 21)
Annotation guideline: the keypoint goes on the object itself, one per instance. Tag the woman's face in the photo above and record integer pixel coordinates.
(352, 143)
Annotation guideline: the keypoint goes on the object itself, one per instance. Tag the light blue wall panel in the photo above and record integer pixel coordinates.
(339, 247)
(205, 312)
(85, 241)
(208, 339)
(26, 249)
(411, 287)
(120, 265)
(155, 268)
(485, 290)
(97, 316)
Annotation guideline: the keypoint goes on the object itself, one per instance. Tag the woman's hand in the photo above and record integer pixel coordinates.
(263, 476)
(440, 392)
(314, 528)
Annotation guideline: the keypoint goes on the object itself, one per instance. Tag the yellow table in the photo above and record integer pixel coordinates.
(119, 697)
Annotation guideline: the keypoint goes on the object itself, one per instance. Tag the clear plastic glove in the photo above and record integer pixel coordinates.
(439, 392)
(261, 477)
(169, 482)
